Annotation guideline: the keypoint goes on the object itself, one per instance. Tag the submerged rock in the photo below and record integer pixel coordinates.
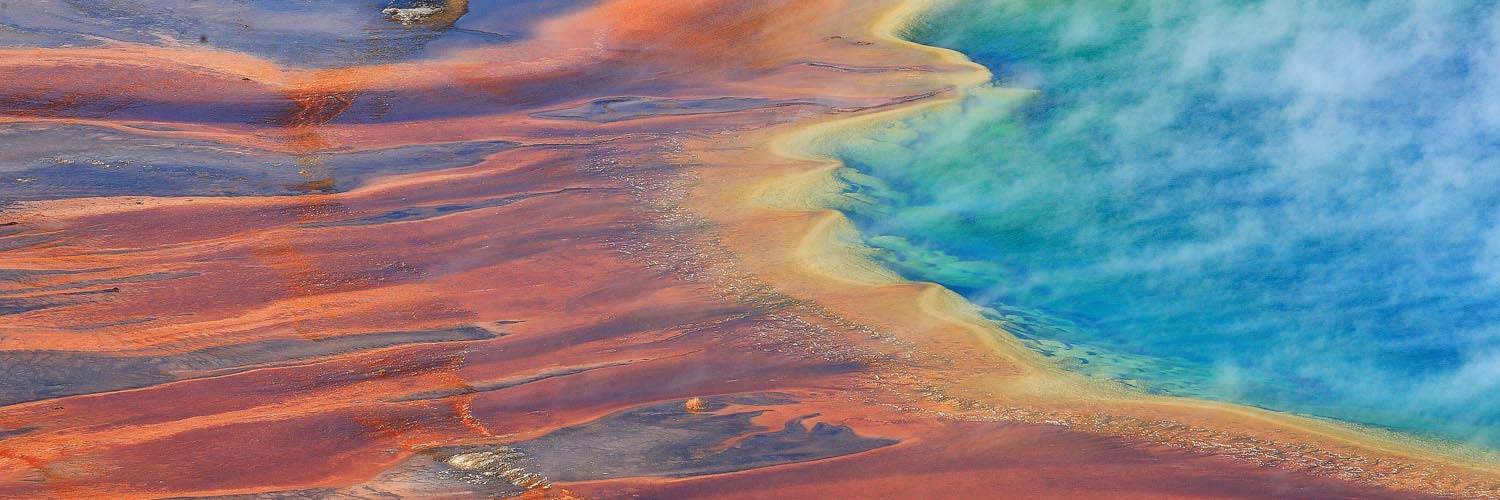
(414, 11)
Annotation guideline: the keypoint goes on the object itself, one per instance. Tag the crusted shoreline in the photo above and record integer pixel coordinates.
(824, 246)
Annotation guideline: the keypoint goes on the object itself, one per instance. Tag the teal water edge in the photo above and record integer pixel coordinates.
(1290, 204)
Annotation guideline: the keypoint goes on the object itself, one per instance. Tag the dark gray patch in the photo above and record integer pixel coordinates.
(665, 439)
(661, 439)
(139, 278)
(23, 241)
(307, 494)
(67, 294)
(423, 213)
(866, 69)
(80, 293)
(18, 306)
(21, 274)
(506, 384)
(15, 35)
(112, 324)
(613, 109)
(426, 474)
(154, 127)
(10, 228)
(7, 433)
(48, 161)
(37, 375)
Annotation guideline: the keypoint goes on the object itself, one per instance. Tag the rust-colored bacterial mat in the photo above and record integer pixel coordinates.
(550, 249)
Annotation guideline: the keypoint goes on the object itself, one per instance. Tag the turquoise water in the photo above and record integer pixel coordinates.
(1289, 204)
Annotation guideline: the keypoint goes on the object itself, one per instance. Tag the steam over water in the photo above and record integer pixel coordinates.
(1290, 204)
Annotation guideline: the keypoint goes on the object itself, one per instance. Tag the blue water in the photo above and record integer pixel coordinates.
(1291, 204)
